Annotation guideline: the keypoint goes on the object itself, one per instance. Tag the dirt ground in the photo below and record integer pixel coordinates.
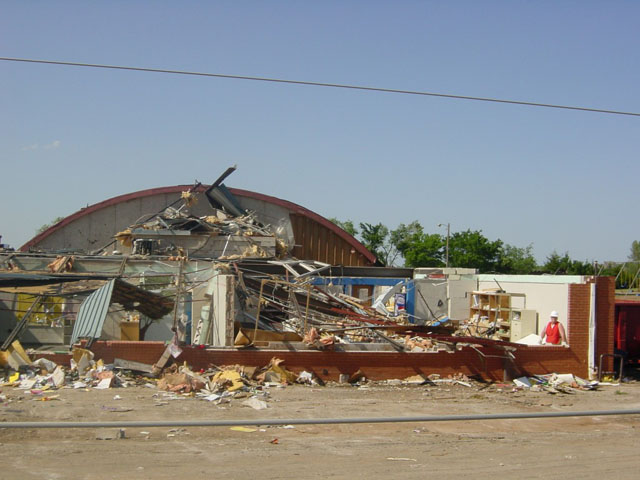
(584, 447)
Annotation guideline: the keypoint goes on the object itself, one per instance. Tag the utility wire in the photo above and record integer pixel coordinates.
(321, 84)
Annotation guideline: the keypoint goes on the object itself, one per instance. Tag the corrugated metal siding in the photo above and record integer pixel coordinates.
(92, 313)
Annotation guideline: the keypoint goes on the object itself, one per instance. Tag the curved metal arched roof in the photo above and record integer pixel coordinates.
(292, 207)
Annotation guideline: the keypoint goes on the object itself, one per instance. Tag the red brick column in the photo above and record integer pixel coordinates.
(605, 308)
(578, 328)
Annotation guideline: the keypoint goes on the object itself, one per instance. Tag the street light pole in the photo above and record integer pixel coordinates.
(447, 246)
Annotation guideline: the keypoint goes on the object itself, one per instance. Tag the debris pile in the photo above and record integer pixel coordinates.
(227, 231)
(290, 302)
(158, 235)
(40, 379)
(218, 385)
(555, 383)
(322, 320)
(221, 384)
(480, 326)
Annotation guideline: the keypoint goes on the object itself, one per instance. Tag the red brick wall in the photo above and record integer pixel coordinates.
(326, 365)
(578, 323)
(384, 365)
(143, 352)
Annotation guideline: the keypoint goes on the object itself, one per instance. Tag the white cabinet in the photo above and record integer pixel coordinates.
(523, 323)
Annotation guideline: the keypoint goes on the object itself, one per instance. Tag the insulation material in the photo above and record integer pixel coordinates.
(46, 313)
(125, 238)
(189, 198)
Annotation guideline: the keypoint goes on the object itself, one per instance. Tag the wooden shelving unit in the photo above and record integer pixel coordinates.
(491, 313)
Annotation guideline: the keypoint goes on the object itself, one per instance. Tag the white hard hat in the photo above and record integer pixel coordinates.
(554, 314)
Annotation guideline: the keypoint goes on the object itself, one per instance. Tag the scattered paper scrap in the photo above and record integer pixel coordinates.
(522, 382)
(244, 429)
(104, 384)
(255, 403)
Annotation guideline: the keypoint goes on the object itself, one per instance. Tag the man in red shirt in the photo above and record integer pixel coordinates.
(554, 331)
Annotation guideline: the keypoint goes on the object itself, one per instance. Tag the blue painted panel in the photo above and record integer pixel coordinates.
(411, 301)
(376, 282)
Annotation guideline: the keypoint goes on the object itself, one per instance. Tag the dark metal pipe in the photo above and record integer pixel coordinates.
(316, 421)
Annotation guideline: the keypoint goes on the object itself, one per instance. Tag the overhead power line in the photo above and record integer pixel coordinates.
(321, 84)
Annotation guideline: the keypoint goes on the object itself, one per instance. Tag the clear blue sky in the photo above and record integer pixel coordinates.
(560, 180)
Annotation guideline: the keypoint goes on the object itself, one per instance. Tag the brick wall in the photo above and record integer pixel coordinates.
(385, 365)
(143, 352)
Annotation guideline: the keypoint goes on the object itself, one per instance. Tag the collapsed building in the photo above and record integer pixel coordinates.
(234, 277)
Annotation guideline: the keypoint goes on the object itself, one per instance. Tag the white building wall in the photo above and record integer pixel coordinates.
(543, 293)
(458, 288)
(223, 312)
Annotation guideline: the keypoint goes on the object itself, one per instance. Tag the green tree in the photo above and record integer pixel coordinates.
(376, 239)
(49, 225)
(419, 249)
(466, 249)
(517, 260)
(405, 235)
(347, 226)
(425, 251)
(581, 268)
(557, 264)
(635, 251)
(471, 249)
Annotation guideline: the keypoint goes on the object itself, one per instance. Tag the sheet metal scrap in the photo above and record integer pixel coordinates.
(216, 223)
(179, 225)
(162, 233)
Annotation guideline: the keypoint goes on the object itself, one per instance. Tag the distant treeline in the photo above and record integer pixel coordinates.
(411, 246)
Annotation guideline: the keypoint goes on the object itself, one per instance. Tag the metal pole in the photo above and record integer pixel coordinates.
(19, 328)
(446, 261)
(447, 251)
(317, 421)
